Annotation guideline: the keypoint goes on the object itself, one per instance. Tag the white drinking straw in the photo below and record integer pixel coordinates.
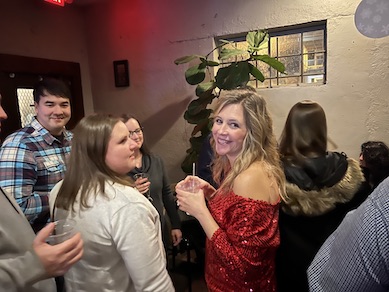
(194, 169)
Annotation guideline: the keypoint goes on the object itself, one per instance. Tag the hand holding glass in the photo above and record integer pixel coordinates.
(63, 230)
(144, 175)
(191, 185)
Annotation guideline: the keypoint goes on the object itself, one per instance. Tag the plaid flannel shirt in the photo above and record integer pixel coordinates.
(32, 161)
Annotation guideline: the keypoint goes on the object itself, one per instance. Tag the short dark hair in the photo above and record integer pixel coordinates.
(51, 86)
(376, 157)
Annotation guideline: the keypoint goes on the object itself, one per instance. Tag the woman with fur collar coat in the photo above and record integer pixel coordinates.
(321, 188)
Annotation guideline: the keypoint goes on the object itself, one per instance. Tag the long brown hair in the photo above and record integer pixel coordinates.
(305, 133)
(87, 171)
(259, 144)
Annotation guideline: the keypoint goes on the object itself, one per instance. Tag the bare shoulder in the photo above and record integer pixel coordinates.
(257, 182)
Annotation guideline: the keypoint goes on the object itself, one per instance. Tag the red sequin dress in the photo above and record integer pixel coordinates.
(241, 254)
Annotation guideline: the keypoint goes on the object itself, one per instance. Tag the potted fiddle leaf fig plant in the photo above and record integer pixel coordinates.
(234, 75)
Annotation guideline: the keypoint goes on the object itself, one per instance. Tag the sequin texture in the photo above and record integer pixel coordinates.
(241, 254)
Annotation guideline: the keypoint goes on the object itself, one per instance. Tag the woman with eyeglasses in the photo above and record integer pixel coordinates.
(156, 185)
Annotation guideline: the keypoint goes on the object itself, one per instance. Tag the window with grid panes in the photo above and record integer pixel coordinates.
(301, 48)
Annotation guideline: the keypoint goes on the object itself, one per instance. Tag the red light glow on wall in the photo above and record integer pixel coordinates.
(57, 2)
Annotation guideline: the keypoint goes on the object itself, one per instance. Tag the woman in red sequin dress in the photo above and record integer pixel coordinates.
(241, 221)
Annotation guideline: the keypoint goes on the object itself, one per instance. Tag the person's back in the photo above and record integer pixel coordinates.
(356, 256)
(310, 217)
(321, 188)
(113, 230)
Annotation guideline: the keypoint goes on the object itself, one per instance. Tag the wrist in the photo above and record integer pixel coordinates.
(208, 191)
(208, 223)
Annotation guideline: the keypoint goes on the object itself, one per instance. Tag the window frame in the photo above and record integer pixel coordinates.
(274, 81)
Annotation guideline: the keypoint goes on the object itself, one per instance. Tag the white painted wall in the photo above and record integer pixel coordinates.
(34, 28)
(152, 34)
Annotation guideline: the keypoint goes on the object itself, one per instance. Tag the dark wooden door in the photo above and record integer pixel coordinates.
(23, 72)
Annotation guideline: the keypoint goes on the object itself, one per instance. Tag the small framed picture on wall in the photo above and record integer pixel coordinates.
(121, 73)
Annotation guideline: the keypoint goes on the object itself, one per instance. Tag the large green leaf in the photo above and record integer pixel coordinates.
(207, 97)
(202, 65)
(195, 75)
(201, 127)
(186, 59)
(198, 117)
(196, 106)
(208, 129)
(256, 38)
(271, 61)
(232, 76)
(256, 73)
(228, 53)
(205, 87)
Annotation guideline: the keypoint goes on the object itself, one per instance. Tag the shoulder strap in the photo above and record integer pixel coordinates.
(52, 214)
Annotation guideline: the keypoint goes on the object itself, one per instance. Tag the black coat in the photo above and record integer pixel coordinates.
(320, 194)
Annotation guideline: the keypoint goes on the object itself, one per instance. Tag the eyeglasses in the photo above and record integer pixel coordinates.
(137, 131)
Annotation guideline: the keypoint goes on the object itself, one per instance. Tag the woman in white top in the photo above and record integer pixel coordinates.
(123, 249)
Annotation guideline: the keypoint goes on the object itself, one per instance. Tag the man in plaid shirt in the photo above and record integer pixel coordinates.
(28, 262)
(32, 160)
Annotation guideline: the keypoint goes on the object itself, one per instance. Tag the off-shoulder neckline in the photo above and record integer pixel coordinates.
(218, 195)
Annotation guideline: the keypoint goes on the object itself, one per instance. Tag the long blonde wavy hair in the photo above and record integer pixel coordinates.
(259, 144)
